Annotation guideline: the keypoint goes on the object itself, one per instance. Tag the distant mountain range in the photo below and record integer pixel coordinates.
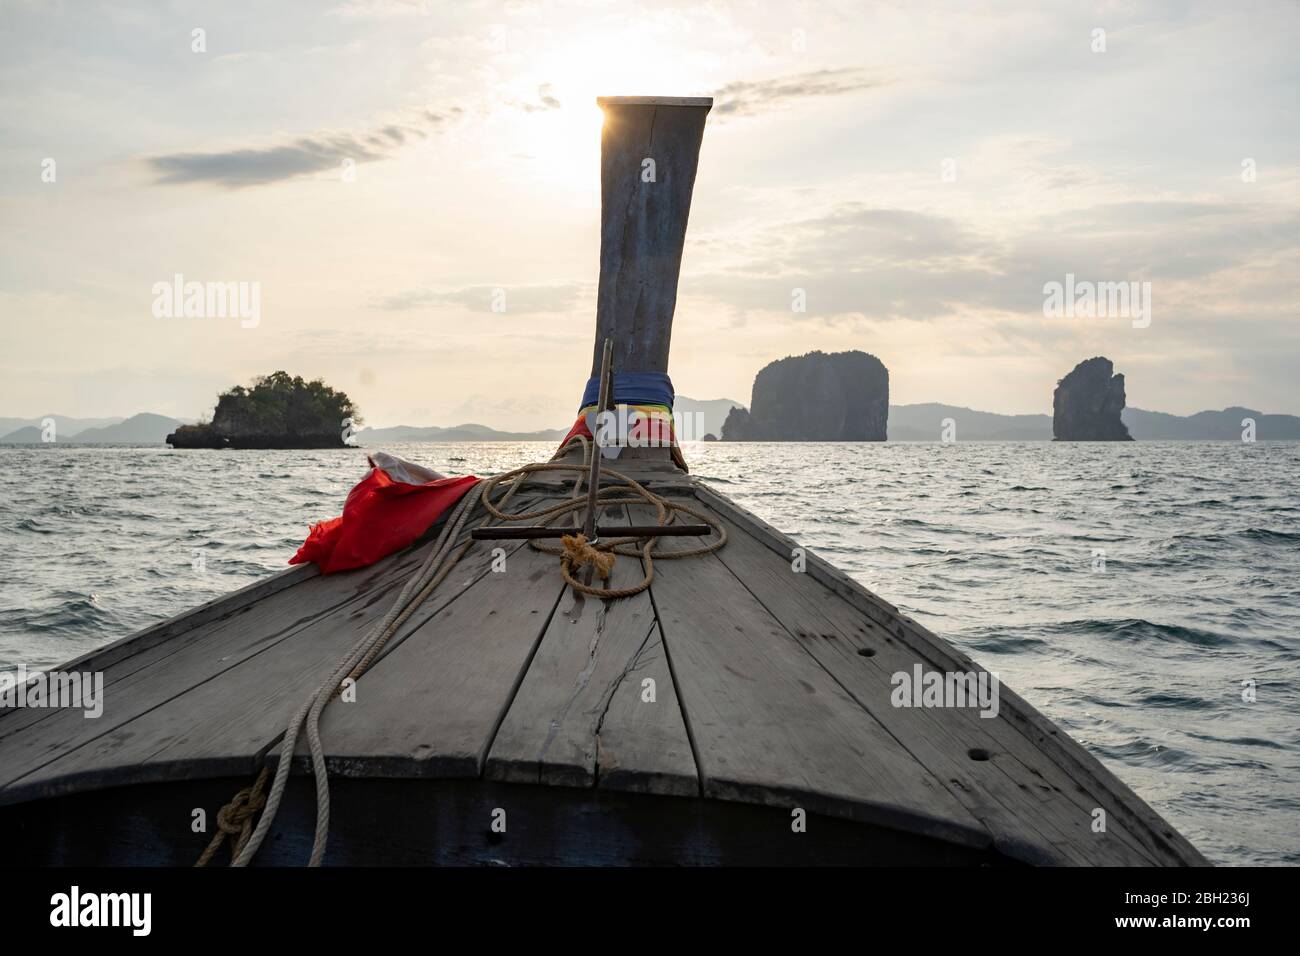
(922, 422)
(63, 423)
(470, 432)
(143, 429)
(925, 421)
(1223, 425)
(712, 412)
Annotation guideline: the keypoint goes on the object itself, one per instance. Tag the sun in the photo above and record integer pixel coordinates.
(558, 124)
(564, 139)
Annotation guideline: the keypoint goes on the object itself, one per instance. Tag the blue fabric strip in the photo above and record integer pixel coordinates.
(633, 388)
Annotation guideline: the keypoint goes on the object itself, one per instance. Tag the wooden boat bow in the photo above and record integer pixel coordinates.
(510, 720)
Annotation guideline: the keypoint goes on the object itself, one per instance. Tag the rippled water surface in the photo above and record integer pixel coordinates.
(1127, 590)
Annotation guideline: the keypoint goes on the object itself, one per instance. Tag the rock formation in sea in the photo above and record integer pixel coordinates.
(278, 411)
(842, 396)
(1088, 402)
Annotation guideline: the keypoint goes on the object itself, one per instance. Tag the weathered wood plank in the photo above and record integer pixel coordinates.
(249, 611)
(771, 726)
(184, 665)
(120, 657)
(155, 643)
(257, 728)
(579, 718)
(211, 645)
(1155, 835)
(1016, 791)
(213, 704)
(431, 705)
(219, 607)
(643, 226)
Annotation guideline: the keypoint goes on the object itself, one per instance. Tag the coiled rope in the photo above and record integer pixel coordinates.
(234, 819)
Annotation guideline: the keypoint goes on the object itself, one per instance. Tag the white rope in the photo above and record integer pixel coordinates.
(447, 550)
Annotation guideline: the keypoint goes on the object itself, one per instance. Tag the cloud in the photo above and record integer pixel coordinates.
(545, 100)
(746, 98)
(511, 300)
(381, 9)
(303, 155)
(876, 263)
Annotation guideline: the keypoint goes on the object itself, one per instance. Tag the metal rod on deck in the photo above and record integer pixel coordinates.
(504, 532)
(593, 476)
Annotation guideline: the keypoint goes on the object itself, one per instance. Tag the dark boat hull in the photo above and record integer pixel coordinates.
(450, 823)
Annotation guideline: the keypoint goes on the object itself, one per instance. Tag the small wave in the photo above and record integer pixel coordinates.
(32, 525)
(1241, 741)
(1143, 752)
(1175, 701)
(1267, 534)
(1002, 643)
(1135, 629)
(81, 614)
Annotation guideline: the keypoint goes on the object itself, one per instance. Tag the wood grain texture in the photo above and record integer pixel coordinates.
(235, 615)
(770, 726)
(431, 704)
(643, 227)
(1153, 836)
(1023, 798)
(174, 670)
(579, 718)
(218, 697)
(122, 656)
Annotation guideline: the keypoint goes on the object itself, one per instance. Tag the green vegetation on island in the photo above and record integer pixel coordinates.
(277, 411)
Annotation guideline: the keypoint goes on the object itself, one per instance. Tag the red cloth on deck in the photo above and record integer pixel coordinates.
(381, 516)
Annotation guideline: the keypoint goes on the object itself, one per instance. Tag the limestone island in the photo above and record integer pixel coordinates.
(1088, 402)
(278, 411)
(841, 396)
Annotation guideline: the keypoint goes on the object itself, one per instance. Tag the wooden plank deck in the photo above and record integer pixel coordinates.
(184, 706)
(770, 687)
(583, 716)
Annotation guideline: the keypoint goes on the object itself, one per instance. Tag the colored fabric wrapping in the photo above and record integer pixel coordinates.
(633, 388)
(382, 515)
(652, 427)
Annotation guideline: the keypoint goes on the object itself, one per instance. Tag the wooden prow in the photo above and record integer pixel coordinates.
(649, 151)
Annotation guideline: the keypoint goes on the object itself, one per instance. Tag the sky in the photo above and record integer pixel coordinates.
(380, 168)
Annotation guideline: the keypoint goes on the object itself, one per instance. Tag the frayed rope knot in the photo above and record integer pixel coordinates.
(577, 553)
(235, 819)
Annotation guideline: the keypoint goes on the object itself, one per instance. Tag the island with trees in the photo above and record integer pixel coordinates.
(277, 411)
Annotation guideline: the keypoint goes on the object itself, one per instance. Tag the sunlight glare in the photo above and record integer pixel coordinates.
(563, 142)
